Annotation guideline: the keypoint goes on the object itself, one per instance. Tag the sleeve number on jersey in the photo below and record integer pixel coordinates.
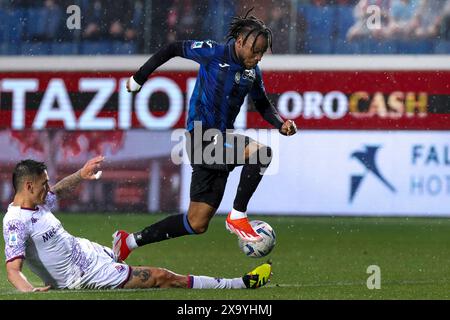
(199, 44)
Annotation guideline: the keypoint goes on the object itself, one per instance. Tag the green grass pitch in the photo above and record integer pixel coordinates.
(315, 258)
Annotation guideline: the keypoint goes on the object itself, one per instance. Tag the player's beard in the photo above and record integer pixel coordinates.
(249, 65)
(242, 60)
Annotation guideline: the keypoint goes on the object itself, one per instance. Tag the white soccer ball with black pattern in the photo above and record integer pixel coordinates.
(261, 248)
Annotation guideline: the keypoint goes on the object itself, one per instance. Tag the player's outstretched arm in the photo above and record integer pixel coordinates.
(88, 172)
(18, 279)
(163, 55)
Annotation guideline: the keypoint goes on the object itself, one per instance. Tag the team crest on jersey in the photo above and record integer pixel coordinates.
(237, 77)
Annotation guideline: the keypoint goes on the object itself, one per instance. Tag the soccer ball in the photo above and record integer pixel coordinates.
(261, 248)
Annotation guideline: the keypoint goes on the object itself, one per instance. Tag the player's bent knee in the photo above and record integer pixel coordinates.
(199, 224)
(200, 227)
(199, 215)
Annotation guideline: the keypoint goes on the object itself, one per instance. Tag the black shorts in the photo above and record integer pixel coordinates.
(212, 161)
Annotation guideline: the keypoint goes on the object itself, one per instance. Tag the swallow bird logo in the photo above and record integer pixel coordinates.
(367, 158)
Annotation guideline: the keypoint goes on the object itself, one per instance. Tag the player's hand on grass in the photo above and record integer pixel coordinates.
(90, 170)
(289, 128)
(41, 289)
(132, 85)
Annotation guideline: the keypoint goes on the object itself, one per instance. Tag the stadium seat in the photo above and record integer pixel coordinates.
(95, 47)
(343, 46)
(425, 47)
(15, 24)
(4, 29)
(4, 48)
(442, 47)
(319, 46)
(35, 48)
(415, 46)
(216, 14)
(320, 20)
(8, 49)
(64, 48)
(35, 23)
(376, 46)
(344, 21)
(320, 23)
(121, 47)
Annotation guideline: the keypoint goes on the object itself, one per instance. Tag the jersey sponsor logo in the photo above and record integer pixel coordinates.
(249, 75)
(34, 220)
(51, 233)
(12, 239)
(224, 65)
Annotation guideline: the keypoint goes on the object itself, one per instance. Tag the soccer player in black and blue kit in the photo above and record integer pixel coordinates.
(228, 72)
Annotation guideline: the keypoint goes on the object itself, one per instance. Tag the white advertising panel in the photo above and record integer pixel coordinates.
(348, 173)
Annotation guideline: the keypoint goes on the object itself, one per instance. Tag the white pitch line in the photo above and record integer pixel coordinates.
(282, 285)
(334, 284)
(75, 291)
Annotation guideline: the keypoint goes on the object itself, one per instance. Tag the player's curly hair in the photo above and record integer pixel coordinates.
(248, 25)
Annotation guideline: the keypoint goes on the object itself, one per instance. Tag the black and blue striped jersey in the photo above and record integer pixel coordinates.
(221, 86)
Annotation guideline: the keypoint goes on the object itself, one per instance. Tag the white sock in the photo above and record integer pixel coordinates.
(131, 242)
(237, 214)
(203, 282)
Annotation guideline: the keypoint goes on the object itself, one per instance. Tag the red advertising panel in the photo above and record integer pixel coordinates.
(342, 100)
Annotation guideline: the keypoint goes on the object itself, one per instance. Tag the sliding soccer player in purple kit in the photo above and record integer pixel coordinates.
(33, 234)
(228, 72)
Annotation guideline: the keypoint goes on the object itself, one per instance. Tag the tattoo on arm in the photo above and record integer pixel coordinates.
(65, 187)
(142, 274)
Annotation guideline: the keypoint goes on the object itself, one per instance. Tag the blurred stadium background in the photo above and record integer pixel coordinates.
(372, 105)
(301, 26)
